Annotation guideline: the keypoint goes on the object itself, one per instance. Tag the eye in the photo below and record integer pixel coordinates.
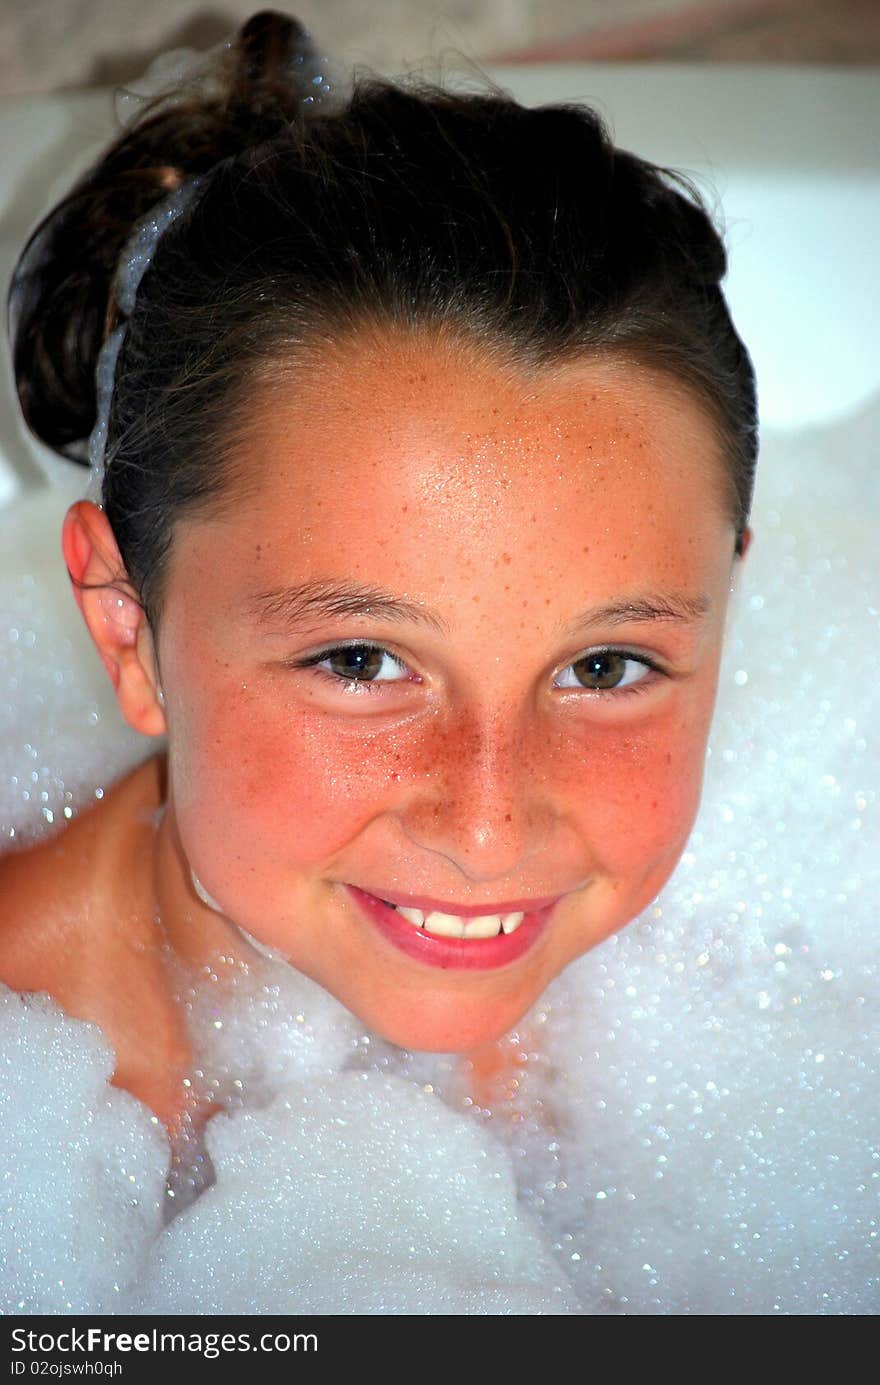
(357, 663)
(609, 671)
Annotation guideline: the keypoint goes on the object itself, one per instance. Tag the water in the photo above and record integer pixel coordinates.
(694, 1126)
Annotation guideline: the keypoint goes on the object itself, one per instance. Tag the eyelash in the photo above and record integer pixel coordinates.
(373, 685)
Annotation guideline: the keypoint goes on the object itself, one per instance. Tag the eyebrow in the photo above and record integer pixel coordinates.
(326, 599)
(657, 606)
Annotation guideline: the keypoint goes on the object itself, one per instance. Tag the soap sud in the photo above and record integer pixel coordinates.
(348, 1194)
(361, 1195)
(83, 1167)
(696, 1124)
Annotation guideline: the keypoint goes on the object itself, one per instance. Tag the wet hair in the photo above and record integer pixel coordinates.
(401, 204)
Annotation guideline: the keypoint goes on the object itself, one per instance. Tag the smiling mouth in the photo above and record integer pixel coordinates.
(470, 940)
(442, 925)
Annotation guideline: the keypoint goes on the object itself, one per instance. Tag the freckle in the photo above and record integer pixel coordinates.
(585, 549)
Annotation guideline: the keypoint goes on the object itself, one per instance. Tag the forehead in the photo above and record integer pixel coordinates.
(498, 498)
(432, 430)
(441, 424)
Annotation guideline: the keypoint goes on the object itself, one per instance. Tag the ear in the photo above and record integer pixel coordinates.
(736, 566)
(115, 619)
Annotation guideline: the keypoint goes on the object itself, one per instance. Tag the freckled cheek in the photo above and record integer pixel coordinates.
(638, 793)
(278, 784)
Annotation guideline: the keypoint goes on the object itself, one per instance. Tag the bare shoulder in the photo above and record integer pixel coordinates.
(55, 888)
(79, 923)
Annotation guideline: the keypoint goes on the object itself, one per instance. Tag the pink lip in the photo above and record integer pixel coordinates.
(469, 954)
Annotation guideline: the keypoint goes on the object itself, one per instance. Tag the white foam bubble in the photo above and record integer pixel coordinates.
(361, 1195)
(695, 1123)
(83, 1166)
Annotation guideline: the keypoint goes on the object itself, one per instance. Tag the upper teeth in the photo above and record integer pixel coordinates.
(453, 926)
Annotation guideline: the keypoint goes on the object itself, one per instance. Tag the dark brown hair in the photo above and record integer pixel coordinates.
(401, 204)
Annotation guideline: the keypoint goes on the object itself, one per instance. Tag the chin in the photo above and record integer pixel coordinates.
(445, 1028)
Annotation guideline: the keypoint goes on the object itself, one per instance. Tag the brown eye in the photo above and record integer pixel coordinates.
(356, 663)
(609, 670)
(362, 662)
(604, 669)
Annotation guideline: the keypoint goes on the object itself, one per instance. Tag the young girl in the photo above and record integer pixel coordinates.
(426, 449)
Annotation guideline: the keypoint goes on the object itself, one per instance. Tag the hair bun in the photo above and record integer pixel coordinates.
(274, 53)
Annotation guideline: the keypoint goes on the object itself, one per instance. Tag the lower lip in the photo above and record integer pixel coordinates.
(465, 954)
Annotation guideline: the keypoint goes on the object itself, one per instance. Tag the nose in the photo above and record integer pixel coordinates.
(484, 799)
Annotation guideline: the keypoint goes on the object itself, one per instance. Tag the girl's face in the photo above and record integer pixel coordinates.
(458, 652)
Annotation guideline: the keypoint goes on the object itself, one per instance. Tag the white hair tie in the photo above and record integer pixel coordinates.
(133, 264)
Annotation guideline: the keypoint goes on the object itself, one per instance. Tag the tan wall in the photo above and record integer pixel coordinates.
(47, 45)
